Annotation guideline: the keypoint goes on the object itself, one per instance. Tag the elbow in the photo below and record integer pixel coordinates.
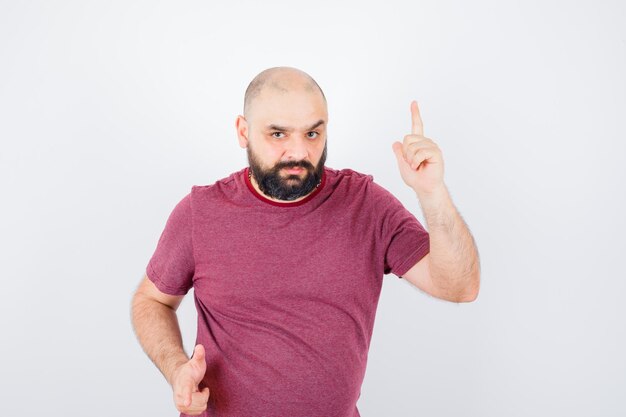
(470, 291)
(467, 297)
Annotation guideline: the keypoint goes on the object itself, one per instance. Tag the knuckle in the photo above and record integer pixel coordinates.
(197, 410)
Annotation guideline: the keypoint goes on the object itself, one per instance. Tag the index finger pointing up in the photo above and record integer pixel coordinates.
(417, 126)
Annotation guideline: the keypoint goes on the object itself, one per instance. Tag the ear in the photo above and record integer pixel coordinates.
(241, 124)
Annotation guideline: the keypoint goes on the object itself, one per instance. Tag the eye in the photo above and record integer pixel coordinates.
(312, 137)
(277, 133)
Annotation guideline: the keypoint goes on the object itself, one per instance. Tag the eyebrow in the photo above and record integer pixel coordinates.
(286, 129)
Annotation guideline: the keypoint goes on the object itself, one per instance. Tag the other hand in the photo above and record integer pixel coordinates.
(185, 384)
(419, 158)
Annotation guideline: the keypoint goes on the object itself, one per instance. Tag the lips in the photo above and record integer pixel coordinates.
(296, 170)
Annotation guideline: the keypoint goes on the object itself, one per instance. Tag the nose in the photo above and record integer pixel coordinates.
(297, 148)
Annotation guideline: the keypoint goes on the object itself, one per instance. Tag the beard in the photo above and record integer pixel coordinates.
(291, 187)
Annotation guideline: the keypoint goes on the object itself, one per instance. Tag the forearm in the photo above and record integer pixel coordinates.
(156, 327)
(454, 261)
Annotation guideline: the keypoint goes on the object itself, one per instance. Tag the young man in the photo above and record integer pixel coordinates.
(286, 258)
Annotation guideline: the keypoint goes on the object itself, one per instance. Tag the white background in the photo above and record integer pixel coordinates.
(110, 111)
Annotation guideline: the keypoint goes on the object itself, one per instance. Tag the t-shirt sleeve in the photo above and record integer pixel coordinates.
(171, 267)
(405, 240)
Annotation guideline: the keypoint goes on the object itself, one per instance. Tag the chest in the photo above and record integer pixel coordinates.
(263, 262)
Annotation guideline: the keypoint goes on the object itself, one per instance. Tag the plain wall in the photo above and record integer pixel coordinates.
(111, 111)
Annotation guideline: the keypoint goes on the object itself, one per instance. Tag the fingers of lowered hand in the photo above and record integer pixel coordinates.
(183, 394)
(198, 402)
(184, 385)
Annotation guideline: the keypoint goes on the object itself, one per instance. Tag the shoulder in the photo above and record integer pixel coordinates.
(353, 182)
(348, 179)
(221, 186)
(356, 177)
(348, 174)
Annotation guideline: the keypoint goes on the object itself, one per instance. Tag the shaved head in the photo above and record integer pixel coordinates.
(278, 80)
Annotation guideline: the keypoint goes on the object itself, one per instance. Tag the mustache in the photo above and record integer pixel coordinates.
(295, 164)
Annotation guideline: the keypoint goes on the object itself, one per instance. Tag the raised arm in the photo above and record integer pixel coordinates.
(451, 271)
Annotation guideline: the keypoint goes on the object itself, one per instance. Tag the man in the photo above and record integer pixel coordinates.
(286, 258)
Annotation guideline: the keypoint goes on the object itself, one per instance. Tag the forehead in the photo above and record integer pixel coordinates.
(296, 108)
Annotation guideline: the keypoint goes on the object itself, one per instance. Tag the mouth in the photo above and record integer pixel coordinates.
(296, 170)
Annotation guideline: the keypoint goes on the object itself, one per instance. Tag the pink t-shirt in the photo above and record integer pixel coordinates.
(286, 293)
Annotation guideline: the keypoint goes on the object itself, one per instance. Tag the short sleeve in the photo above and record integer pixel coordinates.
(171, 267)
(405, 240)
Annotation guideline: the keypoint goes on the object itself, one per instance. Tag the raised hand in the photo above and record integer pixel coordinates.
(185, 380)
(419, 158)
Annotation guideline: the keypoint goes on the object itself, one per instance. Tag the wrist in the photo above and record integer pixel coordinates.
(437, 207)
(434, 195)
(175, 367)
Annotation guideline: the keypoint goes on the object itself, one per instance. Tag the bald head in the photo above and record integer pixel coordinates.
(278, 80)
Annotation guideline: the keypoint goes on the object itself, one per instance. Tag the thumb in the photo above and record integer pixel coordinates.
(198, 363)
(198, 354)
(397, 149)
